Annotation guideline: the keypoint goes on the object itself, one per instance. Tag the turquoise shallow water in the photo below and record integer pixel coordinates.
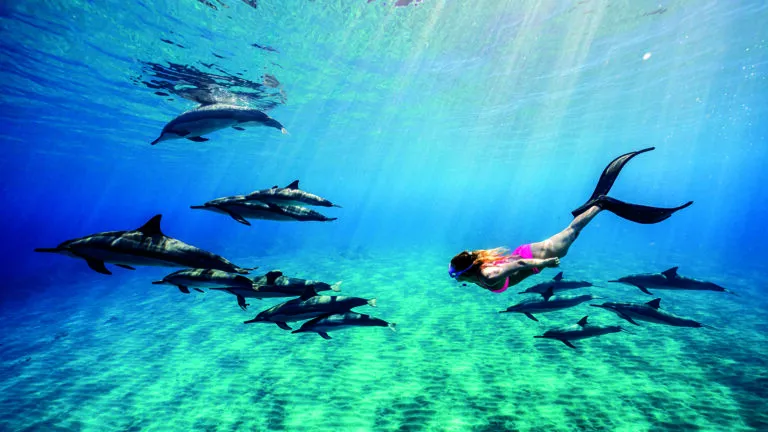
(141, 357)
(439, 126)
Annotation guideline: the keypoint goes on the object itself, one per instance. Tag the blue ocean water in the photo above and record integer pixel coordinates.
(438, 126)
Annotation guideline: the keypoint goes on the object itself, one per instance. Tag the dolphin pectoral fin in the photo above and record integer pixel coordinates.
(568, 344)
(238, 128)
(199, 290)
(644, 289)
(183, 289)
(127, 267)
(197, 139)
(97, 266)
(324, 335)
(529, 315)
(548, 293)
(630, 320)
(283, 325)
(238, 218)
(241, 302)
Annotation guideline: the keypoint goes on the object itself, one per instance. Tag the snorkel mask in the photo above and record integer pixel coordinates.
(455, 274)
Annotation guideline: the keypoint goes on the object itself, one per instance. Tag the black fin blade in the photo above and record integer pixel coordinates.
(671, 273)
(655, 303)
(639, 213)
(324, 335)
(568, 344)
(97, 266)
(127, 267)
(283, 325)
(644, 289)
(152, 227)
(294, 185)
(197, 139)
(530, 315)
(629, 319)
(244, 280)
(582, 322)
(183, 289)
(199, 290)
(272, 276)
(558, 277)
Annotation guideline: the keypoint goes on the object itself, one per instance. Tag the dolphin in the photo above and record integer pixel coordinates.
(274, 285)
(548, 303)
(205, 119)
(325, 323)
(309, 306)
(650, 312)
(580, 330)
(668, 279)
(290, 194)
(204, 278)
(240, 209)
(558, 284)
(146, 246)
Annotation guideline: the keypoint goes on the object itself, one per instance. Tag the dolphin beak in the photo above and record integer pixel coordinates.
(197, 207)
(158, 282)
(616, 281)
(48, 250)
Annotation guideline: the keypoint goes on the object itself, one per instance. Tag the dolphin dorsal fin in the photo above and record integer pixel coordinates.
(558, 277)
(308, 294)
(655, 303)
(548, 293)
(671, 273)
(152, 227)
(294, 185)
(582, 322)
(272, 276)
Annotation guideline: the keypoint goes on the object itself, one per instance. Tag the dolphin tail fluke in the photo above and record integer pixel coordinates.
(392, 326)
(731, 292)
(284, 131)
(156, 141)
(48, 250)
(710, 327)
(627, 331)
(372, 302)
(336, 287)
(337, 206)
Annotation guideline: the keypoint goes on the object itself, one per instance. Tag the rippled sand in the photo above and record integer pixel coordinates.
(127, 355)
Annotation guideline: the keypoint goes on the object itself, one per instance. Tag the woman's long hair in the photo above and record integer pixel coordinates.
(480, 258)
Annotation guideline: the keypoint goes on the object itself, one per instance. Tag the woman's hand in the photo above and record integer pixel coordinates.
(552, 262)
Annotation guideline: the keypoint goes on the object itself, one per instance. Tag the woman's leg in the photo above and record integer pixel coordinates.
(558, 244)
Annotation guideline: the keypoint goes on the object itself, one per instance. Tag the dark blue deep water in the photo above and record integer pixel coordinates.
(438, 126)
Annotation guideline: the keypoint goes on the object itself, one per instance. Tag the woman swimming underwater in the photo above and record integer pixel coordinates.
(495, 270)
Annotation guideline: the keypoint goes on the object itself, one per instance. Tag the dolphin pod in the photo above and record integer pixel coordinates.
(276, 204)
(308, 306)
(144, 246)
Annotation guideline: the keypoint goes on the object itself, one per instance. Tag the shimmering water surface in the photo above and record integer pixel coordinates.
(438, 126)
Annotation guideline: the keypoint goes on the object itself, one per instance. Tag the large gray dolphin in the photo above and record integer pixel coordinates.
(548, 303)
(325, 323)
(145, 246)
(670, 280)
(650, 312)
(205, 278)
(309, 306)
(241, 209)
(580, 330)
(290, 194)
(274, 285)
(558, 284)
(205, 119)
